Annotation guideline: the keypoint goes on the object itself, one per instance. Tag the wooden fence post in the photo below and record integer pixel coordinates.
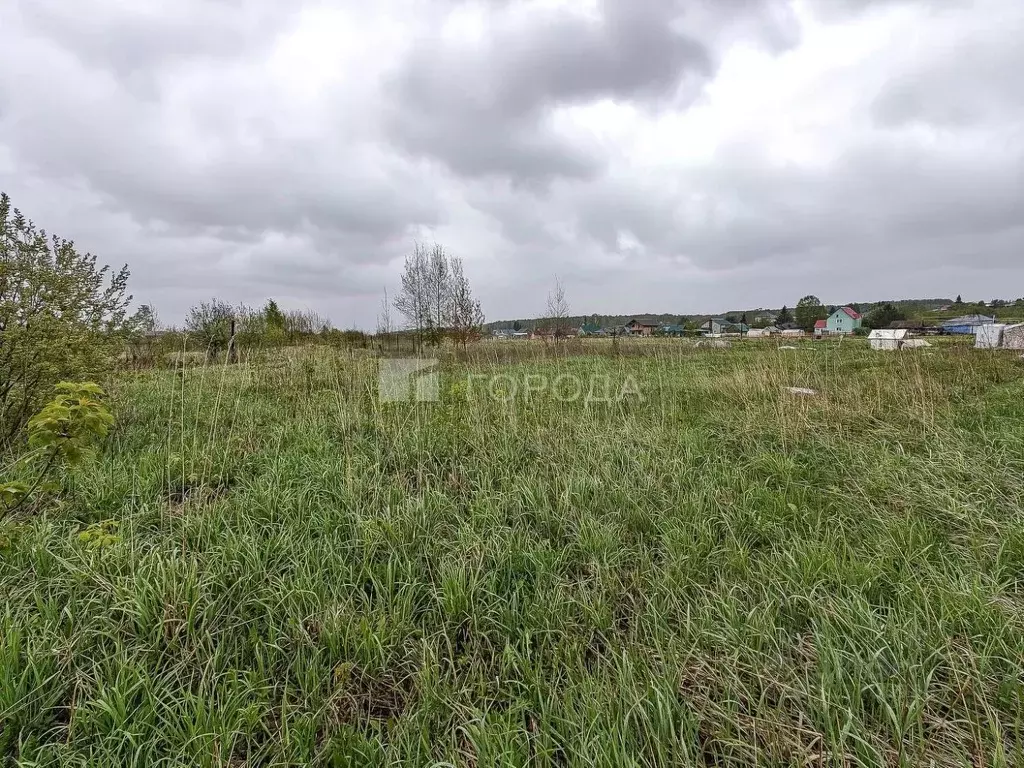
(232, 350)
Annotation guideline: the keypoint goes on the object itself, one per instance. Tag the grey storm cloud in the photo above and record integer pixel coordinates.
(878, 199)
(204, 166)
(254, 148)
(976, 82)
(282, 206)
(483, 107)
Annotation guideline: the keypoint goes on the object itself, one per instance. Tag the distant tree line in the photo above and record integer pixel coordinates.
(221, 329)
(877, 314)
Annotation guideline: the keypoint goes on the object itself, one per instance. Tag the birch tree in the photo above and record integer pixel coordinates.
(384, 327)
(436, 297)
(465, 316)
(439, 291)
(412, 299)
(558, 310)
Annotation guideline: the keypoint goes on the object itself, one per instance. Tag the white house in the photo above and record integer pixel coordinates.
(887, 339)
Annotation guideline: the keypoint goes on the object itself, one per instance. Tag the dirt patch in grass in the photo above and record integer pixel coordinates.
(182, 494)
(754, 718)
(363, 699)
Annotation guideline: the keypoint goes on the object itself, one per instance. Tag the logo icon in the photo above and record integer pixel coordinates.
(405, 379)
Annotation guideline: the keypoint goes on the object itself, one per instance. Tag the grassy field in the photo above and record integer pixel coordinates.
(708, 570)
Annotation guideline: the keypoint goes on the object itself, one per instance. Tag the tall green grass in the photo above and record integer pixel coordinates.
(714, 573)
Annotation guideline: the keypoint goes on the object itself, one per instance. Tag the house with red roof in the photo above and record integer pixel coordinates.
(820, 327)
(843, 320)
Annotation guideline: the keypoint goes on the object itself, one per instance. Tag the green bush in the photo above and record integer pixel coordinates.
(62, 316)
(60, 434)
(210, 325)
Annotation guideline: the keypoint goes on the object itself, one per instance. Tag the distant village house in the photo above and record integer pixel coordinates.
(719, 326)
(844, 320)
(966, 326)
(509, 333)
(639, 328)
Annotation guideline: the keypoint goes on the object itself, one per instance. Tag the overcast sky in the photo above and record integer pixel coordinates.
(657, 155)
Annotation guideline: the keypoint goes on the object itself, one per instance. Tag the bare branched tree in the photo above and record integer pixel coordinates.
(439, 289)
(465, 316)
(384, 326)
(558, 311)
(412, 300)
(300, 324)
(436, 298)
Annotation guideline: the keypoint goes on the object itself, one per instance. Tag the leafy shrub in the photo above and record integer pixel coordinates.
(210, 324)
(60, 434)
(62, 316)
(100, 535)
